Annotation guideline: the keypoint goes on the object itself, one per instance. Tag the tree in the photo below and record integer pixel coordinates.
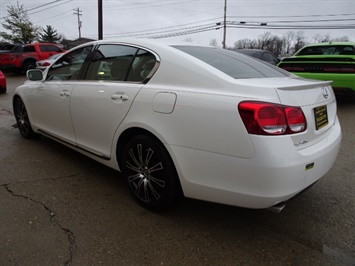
(341, 39)
(300, 41)
(288, 38)
(18, 23)
(318, 38)
(264, 40)
(49, 34)
(245, 44)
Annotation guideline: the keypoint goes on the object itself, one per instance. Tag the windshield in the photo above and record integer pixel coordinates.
(234, 64)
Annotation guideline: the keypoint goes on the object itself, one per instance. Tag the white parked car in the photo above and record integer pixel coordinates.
(202, 122)
(45, 63)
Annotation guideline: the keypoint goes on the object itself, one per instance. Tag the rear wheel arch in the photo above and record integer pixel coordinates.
(127, 135)
(140, 149)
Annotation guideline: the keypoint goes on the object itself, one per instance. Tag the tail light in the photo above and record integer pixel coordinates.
(293, 68)
(262, 118)
(343, 69)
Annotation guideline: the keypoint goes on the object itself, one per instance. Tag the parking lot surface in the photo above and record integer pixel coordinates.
(59, 207)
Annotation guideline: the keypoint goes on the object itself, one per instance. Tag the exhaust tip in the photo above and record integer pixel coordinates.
(277, 208)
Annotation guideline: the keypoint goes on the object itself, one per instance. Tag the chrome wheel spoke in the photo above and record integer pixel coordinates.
(152, 189)
(22, 119)
(157, 181)
(132, 167)
(150, 153)
(146, 191)
(24, 126)
(133, 178)
(133, 156)
(141, 163)
(141, 190)
(157, 167)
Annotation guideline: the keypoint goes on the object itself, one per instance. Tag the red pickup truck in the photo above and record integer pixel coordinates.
(26, 59)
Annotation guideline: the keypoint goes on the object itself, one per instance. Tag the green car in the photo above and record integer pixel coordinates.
(326, 61)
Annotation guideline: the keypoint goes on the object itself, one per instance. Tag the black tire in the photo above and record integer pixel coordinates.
(23, 121)
(29, 65)
(150, 173)
(3, 90)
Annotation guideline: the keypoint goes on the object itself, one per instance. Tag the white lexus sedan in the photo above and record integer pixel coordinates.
(183, 120)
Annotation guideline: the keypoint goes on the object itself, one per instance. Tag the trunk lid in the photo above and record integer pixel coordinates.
(316, 99)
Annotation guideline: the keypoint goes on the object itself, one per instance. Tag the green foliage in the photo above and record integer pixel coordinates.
(49, 34)
(22, 29)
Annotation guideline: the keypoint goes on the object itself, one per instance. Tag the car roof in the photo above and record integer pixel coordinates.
(143, 42)
(256, 50)
(330, 44)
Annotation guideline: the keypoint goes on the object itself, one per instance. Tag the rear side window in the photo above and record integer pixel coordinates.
(120, 63)
(234, 64)
(111, 62)
(29, 49)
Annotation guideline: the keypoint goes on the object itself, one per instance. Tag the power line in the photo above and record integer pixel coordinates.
(48, 7)
(34, 8)
(209, 26)
(300, 21)
(297, 16)
(215, 26)
(287, 27)
(52, 17)
(215, 20)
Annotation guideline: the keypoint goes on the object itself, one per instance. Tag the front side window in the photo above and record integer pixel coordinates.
(68, 66)
(120, 63)
(232, 63)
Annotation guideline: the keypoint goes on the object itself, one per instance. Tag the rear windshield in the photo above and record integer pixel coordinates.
(328, 50)
(234, 64)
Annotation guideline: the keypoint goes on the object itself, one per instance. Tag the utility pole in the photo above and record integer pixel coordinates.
(78, 13)
(100, 16)
(225, 25)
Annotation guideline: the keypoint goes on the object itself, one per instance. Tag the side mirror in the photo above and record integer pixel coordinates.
(34, 74)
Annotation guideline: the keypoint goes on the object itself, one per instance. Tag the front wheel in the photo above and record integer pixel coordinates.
(150, 173)
(23, 121)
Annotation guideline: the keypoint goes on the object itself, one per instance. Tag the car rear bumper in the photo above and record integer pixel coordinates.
(259, 182)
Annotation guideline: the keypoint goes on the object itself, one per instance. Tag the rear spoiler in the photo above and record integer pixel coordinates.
(314, 84)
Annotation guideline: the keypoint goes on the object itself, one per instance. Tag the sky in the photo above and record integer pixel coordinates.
(196, 21)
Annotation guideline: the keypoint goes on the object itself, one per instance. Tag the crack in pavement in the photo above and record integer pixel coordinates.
(68, 232)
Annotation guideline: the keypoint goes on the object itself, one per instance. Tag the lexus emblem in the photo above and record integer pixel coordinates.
(325, 92)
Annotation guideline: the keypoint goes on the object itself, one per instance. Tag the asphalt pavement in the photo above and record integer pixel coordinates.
(59, 207)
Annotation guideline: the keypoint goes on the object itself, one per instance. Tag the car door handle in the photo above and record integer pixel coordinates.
(64, 93)
(120, 96)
